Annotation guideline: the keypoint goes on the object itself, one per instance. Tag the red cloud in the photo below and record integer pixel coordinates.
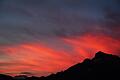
(39, 58)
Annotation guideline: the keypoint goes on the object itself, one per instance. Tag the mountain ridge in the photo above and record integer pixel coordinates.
(102, 66)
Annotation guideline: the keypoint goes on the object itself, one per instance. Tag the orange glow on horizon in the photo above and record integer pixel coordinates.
(36, 57)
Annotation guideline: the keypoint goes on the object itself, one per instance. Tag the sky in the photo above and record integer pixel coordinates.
(40, 37)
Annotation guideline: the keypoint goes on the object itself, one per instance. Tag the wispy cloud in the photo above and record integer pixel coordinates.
(51, 35)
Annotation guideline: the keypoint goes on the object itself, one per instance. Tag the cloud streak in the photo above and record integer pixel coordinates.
(45, 36)
(37, 57)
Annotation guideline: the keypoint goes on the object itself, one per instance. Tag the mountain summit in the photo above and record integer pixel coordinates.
(102, 67)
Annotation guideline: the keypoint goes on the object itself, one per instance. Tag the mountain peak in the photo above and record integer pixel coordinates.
(102, 66)
(101, 54)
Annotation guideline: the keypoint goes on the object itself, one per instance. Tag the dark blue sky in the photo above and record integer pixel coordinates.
(22, 19)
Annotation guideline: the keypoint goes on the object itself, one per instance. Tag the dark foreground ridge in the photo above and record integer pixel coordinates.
(102, 67)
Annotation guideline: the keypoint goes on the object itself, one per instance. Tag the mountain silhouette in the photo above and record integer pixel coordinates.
(102, 67)
(5, 77)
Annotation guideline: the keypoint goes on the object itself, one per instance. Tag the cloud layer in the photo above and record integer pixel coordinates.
(45, 36)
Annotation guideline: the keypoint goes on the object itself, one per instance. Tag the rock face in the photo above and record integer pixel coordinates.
(102, 67)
